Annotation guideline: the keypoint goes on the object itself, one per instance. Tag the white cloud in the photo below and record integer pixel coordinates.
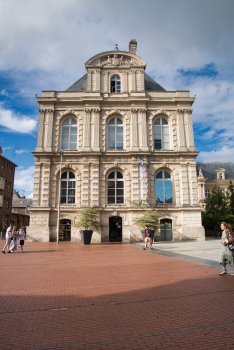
(24, 179)
(20, 151)
(16, 123)
(7, 148)
(224, 154)
(4, 93)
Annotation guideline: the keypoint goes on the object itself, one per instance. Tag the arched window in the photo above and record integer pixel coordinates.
(163, 186)
(69, 134)
(115, 84)
(68, 184)
(115, 134)
(115, 188)
(161, 134)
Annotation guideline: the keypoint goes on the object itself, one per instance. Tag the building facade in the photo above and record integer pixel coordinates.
(112, 124)
(211, 175)
(20, 210)
(7, 174)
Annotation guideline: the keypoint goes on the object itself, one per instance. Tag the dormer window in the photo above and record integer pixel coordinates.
(115, 84)
(220, 176)
(220, 173)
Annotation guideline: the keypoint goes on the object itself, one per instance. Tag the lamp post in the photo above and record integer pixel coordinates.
(59, 195)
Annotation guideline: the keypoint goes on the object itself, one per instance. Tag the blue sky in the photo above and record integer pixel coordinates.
(187, 44)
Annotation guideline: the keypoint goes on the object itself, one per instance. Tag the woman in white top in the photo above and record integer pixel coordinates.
(13, 246)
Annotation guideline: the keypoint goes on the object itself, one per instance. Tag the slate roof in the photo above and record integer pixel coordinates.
(208, 170)
(21, 203)
(150, 84)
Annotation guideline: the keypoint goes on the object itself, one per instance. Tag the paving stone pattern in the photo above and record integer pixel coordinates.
(111, 296)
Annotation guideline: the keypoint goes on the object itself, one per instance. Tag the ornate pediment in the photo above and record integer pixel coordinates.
(115, 59)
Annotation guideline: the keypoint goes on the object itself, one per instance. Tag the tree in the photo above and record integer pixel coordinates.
(87, 219)
(231, 197)
(149, 217)
(218, 203)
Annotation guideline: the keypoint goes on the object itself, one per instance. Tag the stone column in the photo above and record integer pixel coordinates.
(37, 185)
(142, 81)
(144, 145)
(97, 74)
(145, 197)
(89, 80)
(46, 184)
(49, 137)
(105, 81)
(133, 73)
(184, 183)
(189, 130)
(87, 130)
(181, 133)
(86, 185)
(134, 136)
(135, 184)
(40, 130)
(95, 186)
(95, 134)
(125, 83)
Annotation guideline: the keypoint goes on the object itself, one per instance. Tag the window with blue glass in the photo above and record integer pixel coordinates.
(163, 185)
(161, 134)
(115, 134)
(115, 188)
(69, 134)
(115, 84)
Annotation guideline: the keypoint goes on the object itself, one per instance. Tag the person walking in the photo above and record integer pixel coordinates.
(8, 239)
(13, 246)
(147, 237)
(226, 255)
(22, 234)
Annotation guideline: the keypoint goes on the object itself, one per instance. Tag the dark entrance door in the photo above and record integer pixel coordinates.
(65, 230)
(166, 230)
(115, 229)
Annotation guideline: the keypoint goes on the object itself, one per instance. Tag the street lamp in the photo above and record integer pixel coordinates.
(59, 195)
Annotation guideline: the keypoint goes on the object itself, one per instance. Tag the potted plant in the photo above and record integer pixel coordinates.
(87, 221)
(150, 218)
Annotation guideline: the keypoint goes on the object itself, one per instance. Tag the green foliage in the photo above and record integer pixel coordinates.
(218, 204)
(231, 189)
(208, 221)
(149, 217)
(88, 219)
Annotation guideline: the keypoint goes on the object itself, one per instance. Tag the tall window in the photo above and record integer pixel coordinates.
(207, 194)
(69, 134)
(163, 186)
(161, 134)
(9, 186)
(115, 134)
(115, 188)
(2, 167)
(10, 170)
(8, 203)
(115, 84)
(68, 184)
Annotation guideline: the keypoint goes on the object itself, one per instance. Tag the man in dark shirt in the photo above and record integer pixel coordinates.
(147, 237)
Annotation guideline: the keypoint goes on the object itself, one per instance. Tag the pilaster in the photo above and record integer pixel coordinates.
(46, 184)
(135, 184)
(37, 185)
(87, 130)
(133, 76)
(134, 146)
(143, 145)
(48, 147)
(189, 129)
(95, 133)
(184, 183)
(181, 133)
(40, 130)
(95, 185)
(86, 185)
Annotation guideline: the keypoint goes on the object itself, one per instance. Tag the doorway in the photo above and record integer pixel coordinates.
(65, 230)
(166, 229)
(115, 229)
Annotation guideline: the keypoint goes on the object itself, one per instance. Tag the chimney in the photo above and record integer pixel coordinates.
(132, 46)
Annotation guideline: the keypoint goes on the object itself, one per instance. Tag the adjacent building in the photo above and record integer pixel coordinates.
(20, 210)
(125, 141)
(7, 174)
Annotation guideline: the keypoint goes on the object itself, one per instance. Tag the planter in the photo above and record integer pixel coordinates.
(143, 235)
(86, 236)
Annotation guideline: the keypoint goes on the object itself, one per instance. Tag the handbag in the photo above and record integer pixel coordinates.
(231, 246)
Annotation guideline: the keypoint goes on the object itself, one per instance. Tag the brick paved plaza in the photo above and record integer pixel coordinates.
(111, 296)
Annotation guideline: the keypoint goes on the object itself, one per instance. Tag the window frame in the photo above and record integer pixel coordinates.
(115, 78)
(115, 179)
(69, 126)
(162, 133)
(3, 167)
(66, 188)
(8, 203)
(115, 125)
(207, 193)
(164, 179)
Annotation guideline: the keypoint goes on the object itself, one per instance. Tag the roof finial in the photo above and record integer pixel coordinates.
(116, 47)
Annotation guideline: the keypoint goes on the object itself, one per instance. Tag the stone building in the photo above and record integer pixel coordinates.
(211, 175)
(108, 123)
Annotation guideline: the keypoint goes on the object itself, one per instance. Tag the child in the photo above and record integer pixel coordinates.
(22, 234)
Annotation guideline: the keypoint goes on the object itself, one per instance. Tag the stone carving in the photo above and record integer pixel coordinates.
(173, 126)
(116, 60)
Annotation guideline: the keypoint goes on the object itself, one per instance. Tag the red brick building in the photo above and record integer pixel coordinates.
(20, 210)
(7, 174)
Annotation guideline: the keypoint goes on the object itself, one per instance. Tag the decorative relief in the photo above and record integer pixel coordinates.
(104, 116)
(116, 60)
(58, 118)
(173, 123)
